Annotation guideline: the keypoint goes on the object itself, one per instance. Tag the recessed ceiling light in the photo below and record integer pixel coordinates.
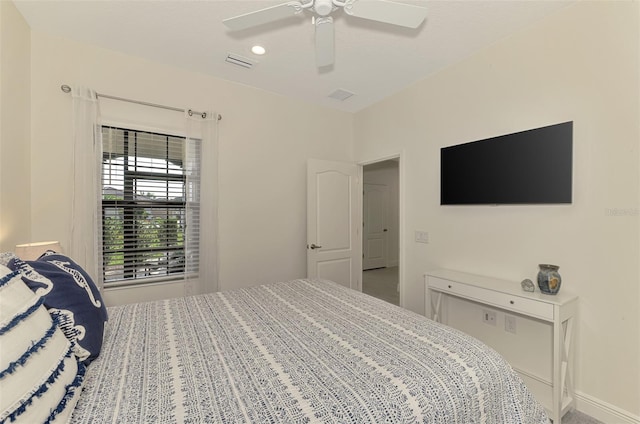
(259, 50)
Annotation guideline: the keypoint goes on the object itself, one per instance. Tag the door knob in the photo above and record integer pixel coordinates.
(314, 246)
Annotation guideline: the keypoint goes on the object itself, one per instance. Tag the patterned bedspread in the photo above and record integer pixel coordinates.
(302, 351)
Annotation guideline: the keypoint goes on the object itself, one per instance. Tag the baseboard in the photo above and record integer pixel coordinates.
(604, 411)
(587, 404)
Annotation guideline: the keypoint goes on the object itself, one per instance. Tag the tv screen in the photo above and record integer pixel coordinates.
(528, 167)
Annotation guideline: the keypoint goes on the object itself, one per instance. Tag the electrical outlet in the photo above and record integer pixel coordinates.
(510, 324)
(489, 317)
(422, 237)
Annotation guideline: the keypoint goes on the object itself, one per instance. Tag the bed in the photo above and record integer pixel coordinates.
(301, 351)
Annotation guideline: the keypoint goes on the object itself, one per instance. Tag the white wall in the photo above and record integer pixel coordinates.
(264, 143)
(582, 65)
(15, 72)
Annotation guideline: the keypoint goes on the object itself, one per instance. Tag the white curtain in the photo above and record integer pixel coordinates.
(86, 217)
(201, 235)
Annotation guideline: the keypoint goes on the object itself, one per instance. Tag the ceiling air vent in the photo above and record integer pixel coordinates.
(341, 94)
(236, 59)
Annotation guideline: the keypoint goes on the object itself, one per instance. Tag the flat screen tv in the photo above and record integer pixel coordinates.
(528, 167)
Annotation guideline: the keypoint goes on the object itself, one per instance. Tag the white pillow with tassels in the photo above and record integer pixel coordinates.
(40, 377)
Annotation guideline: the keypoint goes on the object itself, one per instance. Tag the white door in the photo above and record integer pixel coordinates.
(333, 238)
(374, 238)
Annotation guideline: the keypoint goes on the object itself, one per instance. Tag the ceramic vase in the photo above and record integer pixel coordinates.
(548, 278)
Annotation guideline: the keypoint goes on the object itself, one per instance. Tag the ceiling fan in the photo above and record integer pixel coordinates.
(401, 14)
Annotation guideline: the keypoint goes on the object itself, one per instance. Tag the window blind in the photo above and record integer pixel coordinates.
(146, 181)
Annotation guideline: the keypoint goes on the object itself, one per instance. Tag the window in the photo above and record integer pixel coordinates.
(144, 212)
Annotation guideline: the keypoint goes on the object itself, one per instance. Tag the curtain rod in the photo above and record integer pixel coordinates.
(65, 88)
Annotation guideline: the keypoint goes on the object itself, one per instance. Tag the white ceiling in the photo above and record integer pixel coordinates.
(372, 60)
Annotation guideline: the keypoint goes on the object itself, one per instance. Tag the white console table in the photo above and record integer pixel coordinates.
(557, 310)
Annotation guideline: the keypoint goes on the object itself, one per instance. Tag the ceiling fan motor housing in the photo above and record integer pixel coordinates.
(323, 7)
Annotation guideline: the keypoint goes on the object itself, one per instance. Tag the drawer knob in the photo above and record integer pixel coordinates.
(449, 286)
(512, 302)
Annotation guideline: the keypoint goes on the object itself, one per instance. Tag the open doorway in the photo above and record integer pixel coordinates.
(381, 230)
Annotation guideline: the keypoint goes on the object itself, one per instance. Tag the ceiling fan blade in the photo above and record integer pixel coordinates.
(406, 15)
(324, 41)
(263, 16)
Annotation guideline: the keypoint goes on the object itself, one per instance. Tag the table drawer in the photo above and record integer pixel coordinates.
(501, 300)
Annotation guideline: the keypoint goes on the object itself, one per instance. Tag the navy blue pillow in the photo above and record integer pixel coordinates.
(71, 295)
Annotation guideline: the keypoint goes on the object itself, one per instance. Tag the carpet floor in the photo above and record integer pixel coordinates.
(577, 417)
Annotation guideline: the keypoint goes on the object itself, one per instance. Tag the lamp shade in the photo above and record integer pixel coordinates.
(32, 251)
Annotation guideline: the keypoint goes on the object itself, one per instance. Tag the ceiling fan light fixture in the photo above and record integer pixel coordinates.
(323, 7)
